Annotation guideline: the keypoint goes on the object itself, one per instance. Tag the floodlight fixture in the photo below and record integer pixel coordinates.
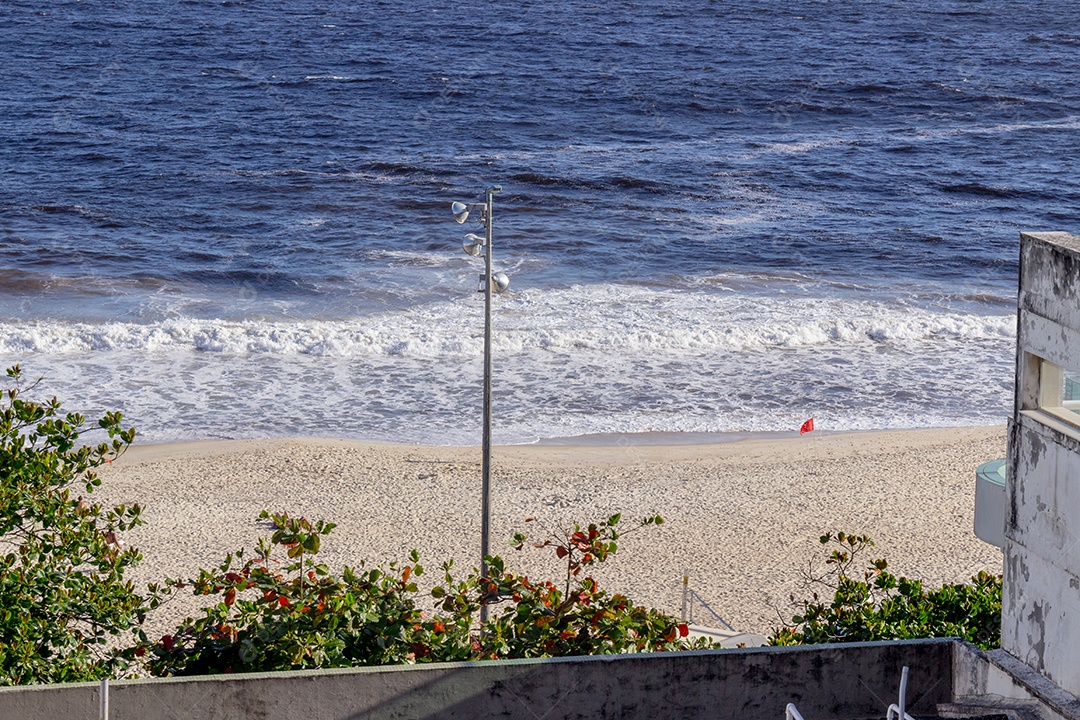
(473, 244)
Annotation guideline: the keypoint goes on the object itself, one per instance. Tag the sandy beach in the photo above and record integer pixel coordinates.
(742, 518)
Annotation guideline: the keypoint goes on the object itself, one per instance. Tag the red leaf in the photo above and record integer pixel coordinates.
(168, 642)
(230, 597)
(561, 552)
(684, 630)
(405, 575)
(283, 601)
(438, 627)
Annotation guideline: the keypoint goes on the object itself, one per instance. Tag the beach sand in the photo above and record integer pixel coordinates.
(742, 518)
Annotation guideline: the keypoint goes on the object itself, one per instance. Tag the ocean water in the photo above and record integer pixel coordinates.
(231, 219)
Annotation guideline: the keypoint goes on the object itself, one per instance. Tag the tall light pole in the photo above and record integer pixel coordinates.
(489, 283)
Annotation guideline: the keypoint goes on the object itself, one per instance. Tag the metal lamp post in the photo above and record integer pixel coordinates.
(489, 283)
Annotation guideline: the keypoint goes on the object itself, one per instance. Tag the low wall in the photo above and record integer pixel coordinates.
(827, 682)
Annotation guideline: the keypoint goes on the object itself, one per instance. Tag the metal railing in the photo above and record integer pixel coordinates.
(688, 599)
(897, 710)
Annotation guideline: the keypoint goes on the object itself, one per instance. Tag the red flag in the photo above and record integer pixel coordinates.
(807, 426)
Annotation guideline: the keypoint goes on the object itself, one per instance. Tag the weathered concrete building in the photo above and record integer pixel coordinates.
(1041, 603)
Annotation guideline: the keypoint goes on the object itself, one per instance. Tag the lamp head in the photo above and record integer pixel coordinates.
(473, 244)
(461, 212)
(499, 282)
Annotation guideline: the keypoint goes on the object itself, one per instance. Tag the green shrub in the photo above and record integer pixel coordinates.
(63, 596)
(575, 616)
(881, 606)
(295, 613)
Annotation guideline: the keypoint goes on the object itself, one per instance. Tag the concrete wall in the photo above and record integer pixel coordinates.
(855, 680)
(1041, 602)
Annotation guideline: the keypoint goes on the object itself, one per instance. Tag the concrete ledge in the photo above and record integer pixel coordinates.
(1040, 688)
(827, 682)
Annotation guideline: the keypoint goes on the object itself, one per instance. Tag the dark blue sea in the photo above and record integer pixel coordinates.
(232, 219)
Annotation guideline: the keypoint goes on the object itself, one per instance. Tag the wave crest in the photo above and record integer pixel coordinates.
(600, 319)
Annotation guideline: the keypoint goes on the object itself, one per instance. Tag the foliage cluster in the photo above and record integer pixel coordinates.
(63, 596)
(575, 617)
(293, 613)
(875, 604)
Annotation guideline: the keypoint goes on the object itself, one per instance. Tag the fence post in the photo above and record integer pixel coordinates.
(685, 592)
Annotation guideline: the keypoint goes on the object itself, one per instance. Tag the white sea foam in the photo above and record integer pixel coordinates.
(725, 353)
(705, 357)
(607, 318)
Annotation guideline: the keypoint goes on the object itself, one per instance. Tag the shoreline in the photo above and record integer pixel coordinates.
(632, 441)
(748, 446)
(742, 517)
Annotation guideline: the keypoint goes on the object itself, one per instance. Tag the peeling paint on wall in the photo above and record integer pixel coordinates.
(1037, 619)
(1036, 449)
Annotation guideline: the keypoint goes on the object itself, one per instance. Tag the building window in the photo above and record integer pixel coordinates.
(1059, 391)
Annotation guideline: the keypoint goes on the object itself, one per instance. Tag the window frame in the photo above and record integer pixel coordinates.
(1050, 397)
